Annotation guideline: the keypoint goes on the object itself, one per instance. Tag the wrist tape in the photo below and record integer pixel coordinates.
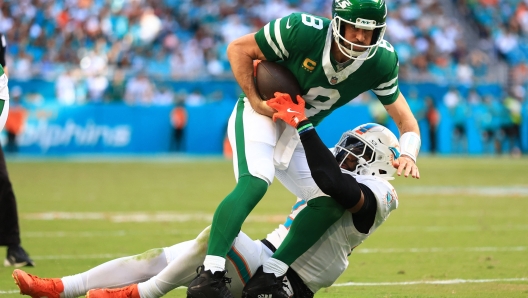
(304, 126)
(410, 145)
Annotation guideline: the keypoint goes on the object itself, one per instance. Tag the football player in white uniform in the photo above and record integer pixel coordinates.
(353, 180)
(362, 160)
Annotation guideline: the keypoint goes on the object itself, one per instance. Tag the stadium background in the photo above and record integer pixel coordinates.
(102, 76)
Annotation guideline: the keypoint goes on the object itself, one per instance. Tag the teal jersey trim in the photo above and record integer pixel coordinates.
(240, 265)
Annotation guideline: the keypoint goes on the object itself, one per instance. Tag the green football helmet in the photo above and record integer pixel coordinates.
(364, 14)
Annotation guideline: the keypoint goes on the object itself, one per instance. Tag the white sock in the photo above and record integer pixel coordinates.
(179, 272)
(73, 286)
(275, 266)
(116, 273)
(214, 263)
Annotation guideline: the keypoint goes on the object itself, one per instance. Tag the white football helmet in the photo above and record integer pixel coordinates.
(374, 147)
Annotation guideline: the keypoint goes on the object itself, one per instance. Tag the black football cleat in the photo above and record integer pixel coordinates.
(17, 257)
(209, 285)
(265, 285)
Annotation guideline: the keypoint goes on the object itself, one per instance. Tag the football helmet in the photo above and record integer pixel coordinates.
(372, 146)
(364, 14)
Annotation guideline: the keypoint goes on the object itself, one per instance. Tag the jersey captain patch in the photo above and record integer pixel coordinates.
(309, 64)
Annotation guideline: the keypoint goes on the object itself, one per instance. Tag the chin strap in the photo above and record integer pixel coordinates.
(410, 145)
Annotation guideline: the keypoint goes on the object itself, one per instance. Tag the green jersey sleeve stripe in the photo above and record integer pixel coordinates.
(385, 92)
(270, 41)
(278, 36)
(389, 83)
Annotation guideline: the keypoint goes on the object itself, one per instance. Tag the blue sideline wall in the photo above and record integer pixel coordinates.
(117, 128)
(55, 130)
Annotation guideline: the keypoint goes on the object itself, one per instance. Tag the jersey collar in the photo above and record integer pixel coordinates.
(333, 76)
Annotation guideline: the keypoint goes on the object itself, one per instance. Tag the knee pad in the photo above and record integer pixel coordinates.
(203, 240)
(262, 168)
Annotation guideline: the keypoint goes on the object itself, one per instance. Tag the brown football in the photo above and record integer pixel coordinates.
(271, 77)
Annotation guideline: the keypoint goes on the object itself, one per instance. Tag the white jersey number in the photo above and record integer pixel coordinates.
(384, 44)
(312, 21)
(319, 99)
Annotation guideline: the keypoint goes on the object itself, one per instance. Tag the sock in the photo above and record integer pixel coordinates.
(73, 286)
(307, 227)
(185, 258)
(116, 273)
(214, 263)
(231, 213)
(275, 266)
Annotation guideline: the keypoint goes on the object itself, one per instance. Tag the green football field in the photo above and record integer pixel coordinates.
(460, 231)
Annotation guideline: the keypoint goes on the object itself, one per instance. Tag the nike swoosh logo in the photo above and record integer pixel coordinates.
(288, 26)
(289, 110)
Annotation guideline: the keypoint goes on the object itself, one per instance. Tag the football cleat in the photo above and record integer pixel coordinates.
(18, 257)
(130, 291)
(37, 287)
(265, 285)
(209, 285)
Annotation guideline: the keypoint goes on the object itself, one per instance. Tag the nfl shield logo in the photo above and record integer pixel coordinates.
(333, 81)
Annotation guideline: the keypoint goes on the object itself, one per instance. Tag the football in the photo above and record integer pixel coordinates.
(271, 77)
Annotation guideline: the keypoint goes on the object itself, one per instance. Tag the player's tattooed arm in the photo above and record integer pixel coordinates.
(410, 137)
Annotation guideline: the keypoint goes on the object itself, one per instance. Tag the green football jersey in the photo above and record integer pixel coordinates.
(302, 43)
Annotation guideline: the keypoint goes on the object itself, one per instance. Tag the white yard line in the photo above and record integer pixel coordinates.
(79, 257)
(81, 234)
(141, 216)
(487, 191)
(426, 229)
(428, 282)
(121, 217)
(402, 283)
(457, 228)
(356, 251)
(440, 249)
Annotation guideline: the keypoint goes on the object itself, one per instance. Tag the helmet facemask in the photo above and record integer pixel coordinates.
(350, 148)
(347, 48)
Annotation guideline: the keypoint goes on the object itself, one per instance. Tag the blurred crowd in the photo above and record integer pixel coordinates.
(95, 51)
(94, 48)
(504, 24)
(434, 45)
(96, 45)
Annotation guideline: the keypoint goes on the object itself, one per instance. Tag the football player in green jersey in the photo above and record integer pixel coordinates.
(334, 61)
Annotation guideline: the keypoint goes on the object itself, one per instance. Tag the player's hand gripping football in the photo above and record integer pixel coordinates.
(287, 110)
(406, 165)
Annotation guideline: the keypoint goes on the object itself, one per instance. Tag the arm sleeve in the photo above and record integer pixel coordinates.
(364, 218)
(326, 172)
